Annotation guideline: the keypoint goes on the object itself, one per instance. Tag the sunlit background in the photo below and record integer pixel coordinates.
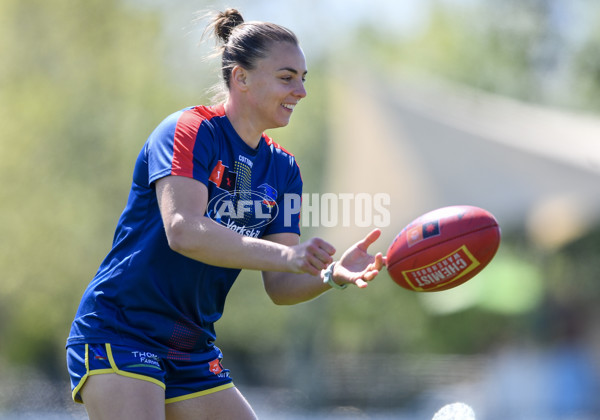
(439, 102)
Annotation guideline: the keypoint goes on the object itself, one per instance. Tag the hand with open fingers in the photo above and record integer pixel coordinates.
(357, 266)
(311, 256)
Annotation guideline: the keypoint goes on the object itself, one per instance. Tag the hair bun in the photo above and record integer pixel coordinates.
(225, 22)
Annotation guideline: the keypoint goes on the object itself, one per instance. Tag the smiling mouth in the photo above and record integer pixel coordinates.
(289, 106)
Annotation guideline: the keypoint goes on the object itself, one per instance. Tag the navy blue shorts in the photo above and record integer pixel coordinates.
(181, 380)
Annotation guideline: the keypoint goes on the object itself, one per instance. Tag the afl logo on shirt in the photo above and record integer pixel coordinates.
(243, 211)
(234, 205)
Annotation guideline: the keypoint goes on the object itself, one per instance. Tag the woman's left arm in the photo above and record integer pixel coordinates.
(356, 266)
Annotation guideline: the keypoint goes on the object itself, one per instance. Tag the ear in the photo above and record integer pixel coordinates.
(239, 78)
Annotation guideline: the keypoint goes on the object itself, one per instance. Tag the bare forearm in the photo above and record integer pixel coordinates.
(293, 288)
(196, 236)
(206, 241)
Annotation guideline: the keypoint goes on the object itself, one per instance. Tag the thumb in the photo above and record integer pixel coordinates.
(369, 239)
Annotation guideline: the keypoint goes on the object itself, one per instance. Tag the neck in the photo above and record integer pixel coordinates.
(243, 124)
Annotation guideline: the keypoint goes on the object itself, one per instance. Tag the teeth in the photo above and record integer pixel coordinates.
(288, 106)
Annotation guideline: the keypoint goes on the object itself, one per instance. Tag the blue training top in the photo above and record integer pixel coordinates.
(146, 293)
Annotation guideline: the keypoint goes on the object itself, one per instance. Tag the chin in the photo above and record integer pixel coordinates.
(279, 124)
(285, 121)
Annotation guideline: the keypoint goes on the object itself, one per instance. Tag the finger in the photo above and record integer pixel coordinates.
(361, 283)
(370, 275)
(379, 262)
(369, 239)
(311, 268)
(373, 268)
(319, 248)
(320, 262)
(319, 256)
(324, 245)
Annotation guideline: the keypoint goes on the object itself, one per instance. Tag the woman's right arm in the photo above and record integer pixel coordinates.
(183, 202)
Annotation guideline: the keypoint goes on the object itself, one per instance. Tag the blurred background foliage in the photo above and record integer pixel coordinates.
(82, 84)
(540, 51)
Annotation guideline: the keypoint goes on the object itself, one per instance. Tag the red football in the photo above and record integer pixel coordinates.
(443, 248)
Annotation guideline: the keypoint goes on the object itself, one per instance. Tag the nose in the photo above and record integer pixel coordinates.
(300, 90)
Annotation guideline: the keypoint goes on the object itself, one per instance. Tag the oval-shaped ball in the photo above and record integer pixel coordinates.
(443, 248)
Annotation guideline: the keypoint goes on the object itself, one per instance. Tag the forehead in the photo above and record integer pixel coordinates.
(284, 55)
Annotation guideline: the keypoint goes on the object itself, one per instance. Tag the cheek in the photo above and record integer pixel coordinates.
(270, 99)
(262, 95)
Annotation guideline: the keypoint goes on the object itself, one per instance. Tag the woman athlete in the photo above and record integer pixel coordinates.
(141, 345)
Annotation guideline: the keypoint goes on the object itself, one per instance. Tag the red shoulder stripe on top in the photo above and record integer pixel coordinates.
(270, 142)
(184, 139)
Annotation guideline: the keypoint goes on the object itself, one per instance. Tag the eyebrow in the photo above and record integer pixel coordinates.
(292, 70)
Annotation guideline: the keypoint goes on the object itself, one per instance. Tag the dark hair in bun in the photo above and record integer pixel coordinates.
(243, 43)
(224, 23)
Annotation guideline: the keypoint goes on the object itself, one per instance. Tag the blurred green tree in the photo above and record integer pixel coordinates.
(535, 50)
(82, 84)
